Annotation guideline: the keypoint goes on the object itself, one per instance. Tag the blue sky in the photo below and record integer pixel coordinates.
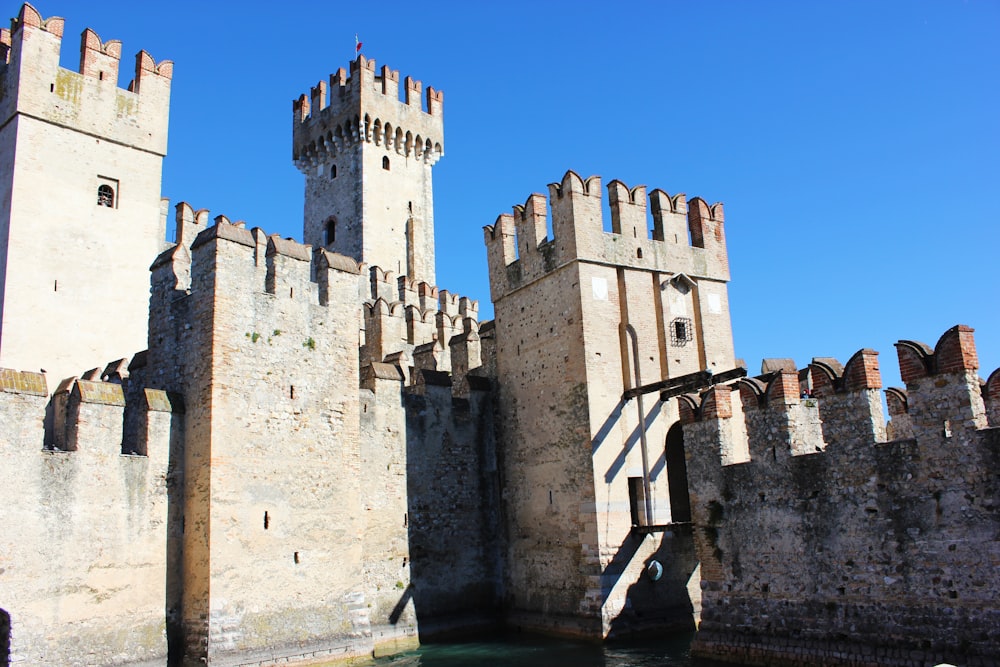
(855, 144)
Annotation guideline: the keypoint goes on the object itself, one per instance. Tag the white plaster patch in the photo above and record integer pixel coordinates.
(600, 287)
(714, 304)
(678, 307)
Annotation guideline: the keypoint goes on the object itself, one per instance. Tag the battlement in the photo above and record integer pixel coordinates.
(677, 236)
(365, 79)
(891, 528)
(943, 395)
(89, 412)
(414, 318)
(277, 266)
(398, 374)
(88, 100)
(95, 496)
(365, 107)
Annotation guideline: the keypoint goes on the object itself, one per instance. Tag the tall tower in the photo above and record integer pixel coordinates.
(367, 157)
(595, 486)
(80, 210)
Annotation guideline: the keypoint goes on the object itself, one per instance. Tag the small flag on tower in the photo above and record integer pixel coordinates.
(357, 44)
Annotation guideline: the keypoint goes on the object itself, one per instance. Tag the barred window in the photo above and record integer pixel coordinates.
(681, 331)
(106, 196)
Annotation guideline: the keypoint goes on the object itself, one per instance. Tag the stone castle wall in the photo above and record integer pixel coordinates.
(304, 505)
(323, 455)
(288, 464)
(834, 546)
(567, 308)
(82, 550)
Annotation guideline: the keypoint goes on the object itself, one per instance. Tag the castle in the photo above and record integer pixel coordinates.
(314, 452)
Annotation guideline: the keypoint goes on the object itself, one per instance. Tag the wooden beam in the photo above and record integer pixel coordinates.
(684, 384)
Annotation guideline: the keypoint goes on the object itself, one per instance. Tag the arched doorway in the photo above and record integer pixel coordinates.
(677, 479)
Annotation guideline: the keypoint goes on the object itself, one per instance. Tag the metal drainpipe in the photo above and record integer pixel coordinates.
(642, 427)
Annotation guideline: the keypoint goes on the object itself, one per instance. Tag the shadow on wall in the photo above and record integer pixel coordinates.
(659, 599)
(175, 544)
(452, 507)
(400, 607)
(632, 440)
(4, 638)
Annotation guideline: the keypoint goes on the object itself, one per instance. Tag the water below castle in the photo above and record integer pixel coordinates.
(532, 651)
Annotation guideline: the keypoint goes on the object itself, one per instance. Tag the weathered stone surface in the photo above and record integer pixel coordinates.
(82, 551)
(831, 546)
(324, 455)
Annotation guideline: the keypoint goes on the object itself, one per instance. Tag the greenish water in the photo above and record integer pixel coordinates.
(529, 651)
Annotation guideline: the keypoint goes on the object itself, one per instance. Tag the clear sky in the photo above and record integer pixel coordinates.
(855, 144)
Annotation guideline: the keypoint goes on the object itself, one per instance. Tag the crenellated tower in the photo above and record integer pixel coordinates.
(367, 157)
(80, 208)
(596, 485)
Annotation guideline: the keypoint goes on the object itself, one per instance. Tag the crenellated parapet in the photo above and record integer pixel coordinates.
(890, 528)
(399, 315)
(417, 319)
(280, 285)
(677, 236)
(95, 493)
(189, 223)
(88, 413)
(850, 405)
(363, 106)
(275, 265)
(943, 390)
(942, 383)
(88, 100)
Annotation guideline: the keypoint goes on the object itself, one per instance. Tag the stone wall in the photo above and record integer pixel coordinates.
(431, 535)
(366, 516)
(82, 550)
(840, 547)
(454, 527)
(271, 454)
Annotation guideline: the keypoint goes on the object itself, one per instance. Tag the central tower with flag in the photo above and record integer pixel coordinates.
(367, 157)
